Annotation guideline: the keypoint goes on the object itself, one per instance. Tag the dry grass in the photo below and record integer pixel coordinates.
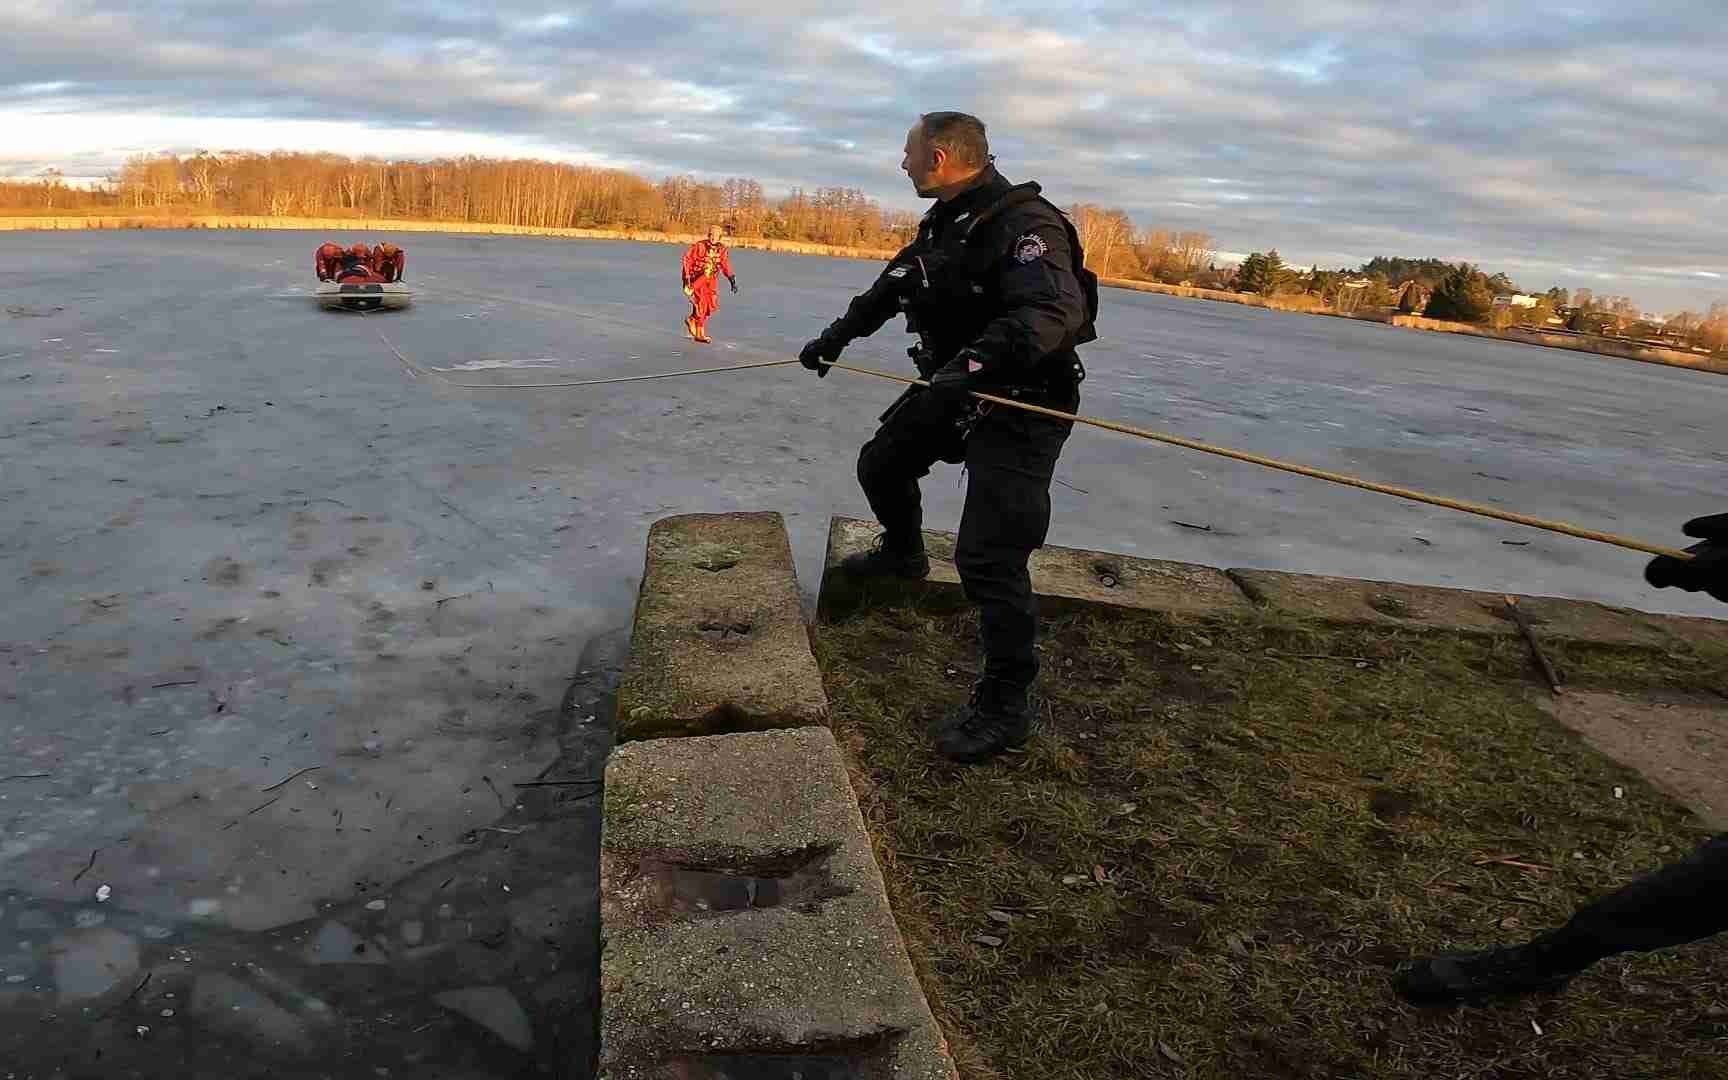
(1313, 305)
(180, 220)
(1215, 851)
(1302, 302)
(1625, 350)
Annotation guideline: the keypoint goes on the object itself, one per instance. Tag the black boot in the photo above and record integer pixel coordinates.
(889, 560)
(1454, 978)
(997, 719)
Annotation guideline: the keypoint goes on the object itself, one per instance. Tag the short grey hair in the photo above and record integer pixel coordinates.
(960, 134)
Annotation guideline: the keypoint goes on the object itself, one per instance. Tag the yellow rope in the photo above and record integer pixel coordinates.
(414, 371)
(1345, 479)
(1302, 470)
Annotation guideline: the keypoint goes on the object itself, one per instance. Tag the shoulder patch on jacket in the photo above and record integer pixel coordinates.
(1030, 248)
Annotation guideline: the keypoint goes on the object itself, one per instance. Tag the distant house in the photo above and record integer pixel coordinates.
(1519, 300)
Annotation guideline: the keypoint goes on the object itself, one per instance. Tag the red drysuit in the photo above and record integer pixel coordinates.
(327, 260)
(389, 261)
(704, 262)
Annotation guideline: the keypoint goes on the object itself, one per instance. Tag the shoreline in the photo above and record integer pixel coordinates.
(1298, 304)
(1308, 305)
(76, 222)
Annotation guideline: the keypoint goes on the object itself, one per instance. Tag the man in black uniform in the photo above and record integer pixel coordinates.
(996, 289)
(1682, 902)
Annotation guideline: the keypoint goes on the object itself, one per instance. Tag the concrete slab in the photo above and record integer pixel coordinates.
(1376, 603)
(765, 985)
(1678, 744)
(719, 642)
(744, 918)
(1382, 603)
(730, 804)
(1065, 579)
(1706, 633)
(1586, 620)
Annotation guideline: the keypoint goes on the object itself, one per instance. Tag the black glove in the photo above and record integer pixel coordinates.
(819, 353)
(960, 376)
(732, 281)
(1707, 570)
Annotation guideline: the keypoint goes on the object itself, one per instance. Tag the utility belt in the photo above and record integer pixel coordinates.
(1056, 391)
(1057, 383)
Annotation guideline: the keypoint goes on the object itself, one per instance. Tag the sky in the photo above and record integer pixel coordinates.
(1579, 144)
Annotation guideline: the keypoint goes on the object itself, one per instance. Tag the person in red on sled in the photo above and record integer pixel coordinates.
(388, 261)
(327, 260)
(358, 257)
(704, 262)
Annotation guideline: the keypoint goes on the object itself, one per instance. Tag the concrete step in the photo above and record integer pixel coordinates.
(746, 930)
(719, 642)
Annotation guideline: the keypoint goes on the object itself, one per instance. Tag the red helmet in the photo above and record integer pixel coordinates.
(360, 250)
(330, 247)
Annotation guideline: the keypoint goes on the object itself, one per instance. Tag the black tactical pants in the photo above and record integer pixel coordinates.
(1681, 902)
(1010, 457)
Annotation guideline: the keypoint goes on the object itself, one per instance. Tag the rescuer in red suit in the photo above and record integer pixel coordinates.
(704, 262)
(327, 260)
(388, 261)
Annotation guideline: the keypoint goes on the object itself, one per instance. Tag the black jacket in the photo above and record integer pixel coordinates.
(998, 268)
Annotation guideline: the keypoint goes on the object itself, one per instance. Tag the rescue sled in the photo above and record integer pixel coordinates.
(360, 278)
(362, 291)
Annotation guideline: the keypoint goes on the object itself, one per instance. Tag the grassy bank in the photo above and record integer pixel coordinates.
(1300, 302)
(1224, 837)
(1312, 305)
(1625, 350)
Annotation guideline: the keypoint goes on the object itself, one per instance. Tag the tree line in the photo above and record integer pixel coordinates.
(544, 194)
(529, 193)
(1462, 292)
(1116, 247)
(1458, 292)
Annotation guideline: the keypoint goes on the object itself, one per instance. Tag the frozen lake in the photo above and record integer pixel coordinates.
(237, 541)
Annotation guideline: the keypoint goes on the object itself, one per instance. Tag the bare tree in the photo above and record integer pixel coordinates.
(1102, 231)
(470, 189)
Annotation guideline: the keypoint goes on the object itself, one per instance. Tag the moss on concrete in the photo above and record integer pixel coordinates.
(719, 642)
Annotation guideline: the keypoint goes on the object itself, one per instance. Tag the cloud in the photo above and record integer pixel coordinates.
(1532, 138)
